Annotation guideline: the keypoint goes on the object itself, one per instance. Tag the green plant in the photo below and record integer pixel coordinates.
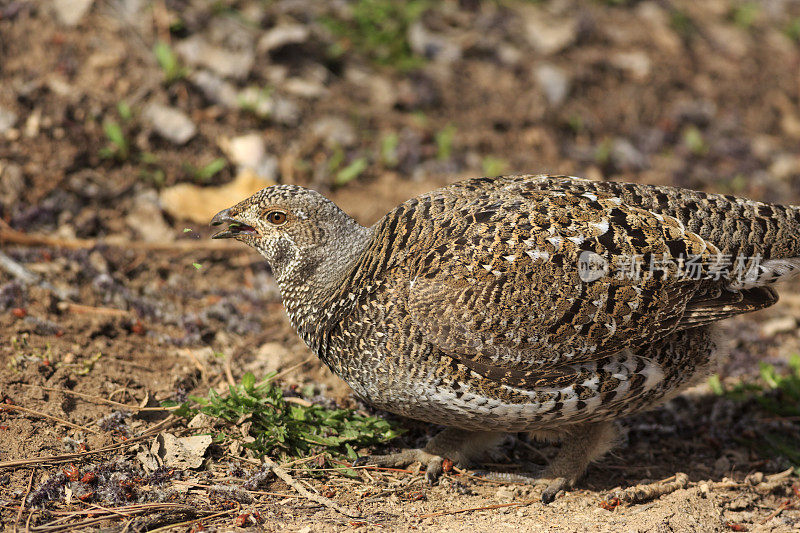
(389, 145)
(206, 172)
(379, 30)
(493, 166)
(124, 111)
(351, 171)
(693, 139)
(779, 395)
(169, 63)
(745, 15)
(280, 426)
(117, 147)
(792, 30)
(444, 142)
(602, 154)
(682, 23)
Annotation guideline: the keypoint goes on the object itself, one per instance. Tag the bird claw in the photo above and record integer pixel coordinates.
(431, 462)
(554, 485)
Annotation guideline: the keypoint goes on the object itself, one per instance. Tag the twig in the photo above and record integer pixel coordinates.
(215, 515)
(100, 399)
(79, 309)
(322, 500)
(27, 277)
(8, 235)
(197, 363)
(77, 456)
(259, 492)
(228, 373)
(11, 407)
(115, 512)
(24, 498)
(484, 508)
(302, 460)
(782, 507)
(651, 491)
(292, 368)
(17, 270)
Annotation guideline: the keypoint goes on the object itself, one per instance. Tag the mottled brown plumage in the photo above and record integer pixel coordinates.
(552, 305)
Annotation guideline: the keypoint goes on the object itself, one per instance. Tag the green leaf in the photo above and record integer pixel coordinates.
(168, 62)
(289, 428)
(351, 171)
(249, 382)
(444, 142)
(716, 385)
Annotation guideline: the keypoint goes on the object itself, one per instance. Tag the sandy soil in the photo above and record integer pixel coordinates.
(703, 95)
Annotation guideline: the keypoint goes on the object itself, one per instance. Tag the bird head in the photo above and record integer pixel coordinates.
(291, 226)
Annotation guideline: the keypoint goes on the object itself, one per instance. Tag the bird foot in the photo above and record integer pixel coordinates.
(551, 490)
(431, 462)
(457, 445)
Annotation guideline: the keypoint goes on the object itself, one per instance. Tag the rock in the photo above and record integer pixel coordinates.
(624, 155)
(149, 460)
(285, 111)
(33, 123)
(271, 357)
(505, 493)
(181, 452)
(778, 325)
(554, 83)
(381, 91)
(305, 88)
(201, 420)
(170, 123)
(225, 62)
(282, 35)
(547, 34)
(660, 31)
(432, 45)
(508, 54)
(245, 150)
(145, 219)
(198, 204)
(215, 88)
(12, 185)
(785, 166)
(256, 100)
(70, 12)
(249, 152)
(7, 119)
(636, 64)
(334, 131)
(730, 40)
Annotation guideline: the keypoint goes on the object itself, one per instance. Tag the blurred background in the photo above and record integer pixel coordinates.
(126, 124)
(104, 106)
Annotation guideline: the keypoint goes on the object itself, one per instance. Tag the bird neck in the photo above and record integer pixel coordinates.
(310, 279)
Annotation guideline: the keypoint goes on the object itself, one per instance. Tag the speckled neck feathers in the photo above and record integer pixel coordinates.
(308, 275)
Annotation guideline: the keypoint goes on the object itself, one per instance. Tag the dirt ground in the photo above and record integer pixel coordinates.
(111, 295)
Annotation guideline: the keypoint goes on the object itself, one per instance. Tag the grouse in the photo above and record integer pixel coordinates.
(544, 304)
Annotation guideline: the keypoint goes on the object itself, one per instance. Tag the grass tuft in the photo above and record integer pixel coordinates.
(276, 426)
(778, 395)
(379, 30)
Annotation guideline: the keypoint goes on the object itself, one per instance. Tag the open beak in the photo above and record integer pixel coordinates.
(234, 229)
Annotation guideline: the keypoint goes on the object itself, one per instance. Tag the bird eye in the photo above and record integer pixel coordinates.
(276, 217)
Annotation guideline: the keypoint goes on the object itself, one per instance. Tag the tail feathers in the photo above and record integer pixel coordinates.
(769, 272)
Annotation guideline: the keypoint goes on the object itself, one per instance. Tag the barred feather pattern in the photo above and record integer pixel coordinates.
(469, 306)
